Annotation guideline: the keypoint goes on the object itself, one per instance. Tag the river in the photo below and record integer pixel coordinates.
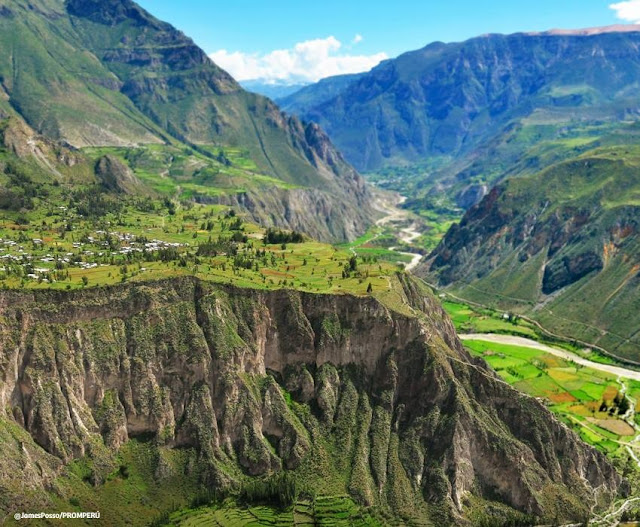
(406, 235)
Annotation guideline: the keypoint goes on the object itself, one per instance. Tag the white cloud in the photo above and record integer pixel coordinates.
(307, 61)
(357, 39)
(628, 11)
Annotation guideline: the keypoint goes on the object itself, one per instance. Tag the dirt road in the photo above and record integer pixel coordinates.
(618, 371)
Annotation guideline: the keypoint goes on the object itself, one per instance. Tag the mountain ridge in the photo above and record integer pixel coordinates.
(548, 244)
(147, 83)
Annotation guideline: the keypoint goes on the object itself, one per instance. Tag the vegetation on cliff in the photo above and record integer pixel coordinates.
(560, 246)
(221, 385)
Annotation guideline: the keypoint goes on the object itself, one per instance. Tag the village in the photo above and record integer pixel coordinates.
(66, 250)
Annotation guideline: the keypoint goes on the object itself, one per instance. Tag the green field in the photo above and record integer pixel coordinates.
(336, 511)
(468, 319)
(187, 173)
(57, 248)
(377, 243)
(589, 401)
(473, 319)
(72, 230)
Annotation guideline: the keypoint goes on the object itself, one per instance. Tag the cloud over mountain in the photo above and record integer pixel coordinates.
(628, 11)
(307, 61)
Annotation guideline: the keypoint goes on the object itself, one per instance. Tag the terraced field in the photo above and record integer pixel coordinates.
(188, 174)
(599, 406)
(330, 511)
(66, 247)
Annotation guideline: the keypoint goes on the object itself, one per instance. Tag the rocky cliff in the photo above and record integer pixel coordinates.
(388, 404)
(547, 245)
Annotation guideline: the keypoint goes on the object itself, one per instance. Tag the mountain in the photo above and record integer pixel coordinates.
(561, 246)
(307, 97)
(273, 90)
(151, 367)
(161, 355)
(463, 113)
(96, 73)
(141, 386)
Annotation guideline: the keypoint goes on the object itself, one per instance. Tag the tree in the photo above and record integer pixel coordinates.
(369, 288)
(85, 281)
(276, 236)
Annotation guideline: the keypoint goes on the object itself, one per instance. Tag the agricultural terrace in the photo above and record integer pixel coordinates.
(94, 242)
(598, 406)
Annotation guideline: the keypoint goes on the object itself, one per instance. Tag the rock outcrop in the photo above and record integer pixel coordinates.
(258, 382)
(115, 176)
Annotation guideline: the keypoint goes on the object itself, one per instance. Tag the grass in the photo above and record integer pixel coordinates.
(186, 173)
(131, 488)
(54, 246)
(336, 511)
(475, 319)
(468, 319)
(582, 397)
(378, 243)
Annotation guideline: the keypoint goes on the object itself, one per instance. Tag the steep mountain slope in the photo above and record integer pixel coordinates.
(308, 97)
(561, 246)
(273, 90)
(346, 393)
(465, 112)
(96, 73)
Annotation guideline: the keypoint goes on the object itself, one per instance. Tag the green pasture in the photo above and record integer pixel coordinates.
(582, 397)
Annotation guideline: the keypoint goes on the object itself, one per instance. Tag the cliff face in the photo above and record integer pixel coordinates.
(257, 382)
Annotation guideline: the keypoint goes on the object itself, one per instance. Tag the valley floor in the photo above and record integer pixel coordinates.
(597, 400)
(563, 354)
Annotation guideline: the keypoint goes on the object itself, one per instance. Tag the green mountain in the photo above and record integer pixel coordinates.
(308, 97)
(165, 361)
(96, 73)
(560, 246)
(452, 118)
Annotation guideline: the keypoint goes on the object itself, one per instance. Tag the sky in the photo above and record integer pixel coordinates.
(298, 41)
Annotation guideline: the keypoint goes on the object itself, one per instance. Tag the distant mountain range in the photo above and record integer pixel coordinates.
(310, 96)
(273, 90)
(96, 73)
(466, 112)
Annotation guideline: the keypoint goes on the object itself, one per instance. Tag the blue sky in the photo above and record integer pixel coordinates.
(243, 35)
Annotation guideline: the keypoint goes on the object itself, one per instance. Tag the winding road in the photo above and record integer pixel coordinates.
(618, 371)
